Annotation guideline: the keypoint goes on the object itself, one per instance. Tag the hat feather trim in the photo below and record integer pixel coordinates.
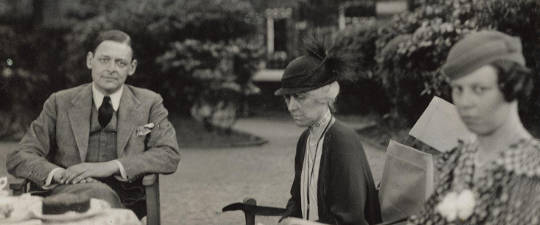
(332, 63)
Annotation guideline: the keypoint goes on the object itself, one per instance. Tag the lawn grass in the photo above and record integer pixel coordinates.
(193, 134)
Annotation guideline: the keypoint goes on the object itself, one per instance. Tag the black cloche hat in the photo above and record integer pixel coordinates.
(317, 68)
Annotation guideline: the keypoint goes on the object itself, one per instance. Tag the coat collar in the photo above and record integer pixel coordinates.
(79, 116)
(128, 113)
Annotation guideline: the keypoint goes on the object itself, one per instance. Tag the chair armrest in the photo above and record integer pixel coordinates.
(149, 179)
(394, 221)
(250, 209)
(18, 185)
(151, 187)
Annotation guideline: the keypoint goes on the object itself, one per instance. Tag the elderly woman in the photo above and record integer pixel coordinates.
(333, 182)
(495, 178)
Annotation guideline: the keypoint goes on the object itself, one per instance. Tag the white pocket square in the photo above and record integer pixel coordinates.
(145, 129)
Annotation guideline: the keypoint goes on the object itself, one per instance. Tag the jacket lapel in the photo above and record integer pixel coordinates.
(79, 116)
(128, 113)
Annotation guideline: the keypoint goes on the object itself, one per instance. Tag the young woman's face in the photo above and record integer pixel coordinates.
(479, 101)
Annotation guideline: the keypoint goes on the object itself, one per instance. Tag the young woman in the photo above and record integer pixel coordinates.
(495, 178)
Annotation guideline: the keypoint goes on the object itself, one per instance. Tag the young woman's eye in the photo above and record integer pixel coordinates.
(457, 90)
(479, 89)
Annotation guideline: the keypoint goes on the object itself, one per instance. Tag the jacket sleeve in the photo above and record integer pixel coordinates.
(29, 160)
(349, 181)
(162, 153)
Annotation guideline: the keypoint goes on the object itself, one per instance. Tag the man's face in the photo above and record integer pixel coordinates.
(479, 101)
(304, 108)
(111, 64)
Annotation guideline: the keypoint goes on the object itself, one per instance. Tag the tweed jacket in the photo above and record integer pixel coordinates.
(59, 136)
(346, 192)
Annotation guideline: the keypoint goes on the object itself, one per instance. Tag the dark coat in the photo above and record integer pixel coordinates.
(346, 192)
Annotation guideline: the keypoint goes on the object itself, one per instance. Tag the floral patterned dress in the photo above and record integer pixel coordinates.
(508, 193)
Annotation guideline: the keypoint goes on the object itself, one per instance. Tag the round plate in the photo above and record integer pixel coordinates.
(97, 206)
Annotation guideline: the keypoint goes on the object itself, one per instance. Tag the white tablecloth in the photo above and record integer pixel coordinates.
(28, 212)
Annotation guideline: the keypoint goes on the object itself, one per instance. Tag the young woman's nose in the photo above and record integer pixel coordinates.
(465, 100)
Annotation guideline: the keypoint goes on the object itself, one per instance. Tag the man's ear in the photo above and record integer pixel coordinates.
(89, 58)
(133, 67)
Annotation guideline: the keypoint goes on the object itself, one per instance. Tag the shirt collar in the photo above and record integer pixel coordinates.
(115, 97)
(319, 126)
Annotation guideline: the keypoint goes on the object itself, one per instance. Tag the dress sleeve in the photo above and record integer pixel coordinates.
(518, 198)
(520, 203)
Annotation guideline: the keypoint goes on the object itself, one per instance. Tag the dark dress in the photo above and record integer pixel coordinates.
(346, 192)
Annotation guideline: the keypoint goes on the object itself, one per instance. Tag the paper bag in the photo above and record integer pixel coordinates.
(407, 181)
(440, 126)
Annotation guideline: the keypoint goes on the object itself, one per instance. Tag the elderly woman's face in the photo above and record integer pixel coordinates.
(305, 109)
(479, 101)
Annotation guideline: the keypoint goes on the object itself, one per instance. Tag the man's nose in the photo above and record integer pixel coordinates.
(111, 66)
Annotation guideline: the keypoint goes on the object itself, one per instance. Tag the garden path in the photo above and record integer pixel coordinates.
(209, 179)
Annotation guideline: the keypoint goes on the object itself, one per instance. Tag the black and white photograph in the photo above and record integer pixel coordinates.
(269, 112)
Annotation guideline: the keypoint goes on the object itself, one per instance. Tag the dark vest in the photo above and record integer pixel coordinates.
(102, 141)
(102, 148)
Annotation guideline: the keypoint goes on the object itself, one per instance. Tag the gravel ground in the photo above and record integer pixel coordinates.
(209, 179)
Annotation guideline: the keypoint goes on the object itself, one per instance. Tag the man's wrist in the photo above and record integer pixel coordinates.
(120, 171)
(50, 181)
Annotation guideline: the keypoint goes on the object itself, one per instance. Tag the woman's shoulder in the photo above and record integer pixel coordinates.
(343, 138)
(341, 129)
(522, 158)
(452, 154)
(339, 132)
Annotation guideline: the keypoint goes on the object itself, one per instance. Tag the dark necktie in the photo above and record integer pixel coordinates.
(105, 112)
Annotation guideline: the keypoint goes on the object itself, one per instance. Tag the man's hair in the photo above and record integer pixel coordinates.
(513, 79)
(112, 35)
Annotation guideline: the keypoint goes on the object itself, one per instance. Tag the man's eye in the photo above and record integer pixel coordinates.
(103, 60)
(122, 64)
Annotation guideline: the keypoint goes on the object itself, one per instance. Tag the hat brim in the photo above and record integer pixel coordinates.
(290, 91)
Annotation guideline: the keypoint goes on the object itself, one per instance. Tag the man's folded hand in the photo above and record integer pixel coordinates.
(81, 172)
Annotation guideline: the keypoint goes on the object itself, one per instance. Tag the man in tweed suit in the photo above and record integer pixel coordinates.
(99, 139)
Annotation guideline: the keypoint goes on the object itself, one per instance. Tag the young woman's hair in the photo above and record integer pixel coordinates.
(514, 80)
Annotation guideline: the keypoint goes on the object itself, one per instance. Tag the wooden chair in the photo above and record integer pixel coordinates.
(151, 187)
(250, 209)
(396, 206)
